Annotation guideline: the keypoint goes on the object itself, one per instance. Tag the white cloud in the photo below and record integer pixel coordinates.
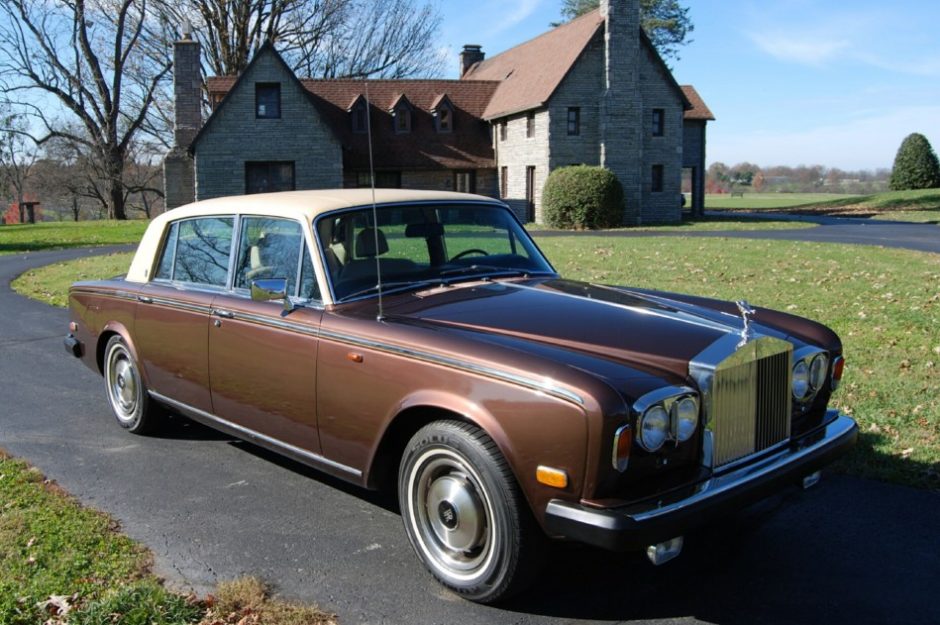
(802, 48)
(521, 10)
(860, 142)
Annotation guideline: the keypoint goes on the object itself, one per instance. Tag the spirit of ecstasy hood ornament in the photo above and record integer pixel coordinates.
(746, 313)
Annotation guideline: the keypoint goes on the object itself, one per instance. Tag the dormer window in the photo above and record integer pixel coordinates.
(401, 115)
(443, 112)
(360, 112)
(267, 100)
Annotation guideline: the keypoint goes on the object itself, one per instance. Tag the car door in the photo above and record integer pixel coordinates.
(263, 356)
(171, 325)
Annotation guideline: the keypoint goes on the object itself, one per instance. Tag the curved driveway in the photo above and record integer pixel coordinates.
(849, 551)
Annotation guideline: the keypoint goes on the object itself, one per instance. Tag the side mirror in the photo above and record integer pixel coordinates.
(271, 289)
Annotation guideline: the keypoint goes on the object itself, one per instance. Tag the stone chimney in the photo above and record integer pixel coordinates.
(621, 118)
(179, 184)
(471, 54)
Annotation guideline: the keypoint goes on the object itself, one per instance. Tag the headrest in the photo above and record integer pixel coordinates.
(365, 243)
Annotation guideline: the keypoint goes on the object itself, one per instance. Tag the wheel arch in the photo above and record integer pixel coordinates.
(116, 328)
(414, 413)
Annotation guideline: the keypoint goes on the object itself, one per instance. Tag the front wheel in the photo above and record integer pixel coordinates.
(127, 393)
(464, 514)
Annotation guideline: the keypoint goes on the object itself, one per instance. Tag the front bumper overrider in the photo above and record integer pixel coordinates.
(672, 514)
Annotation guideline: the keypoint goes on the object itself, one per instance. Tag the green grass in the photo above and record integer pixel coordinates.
(884, 303)
(50, 284)
(20, 238)
(922, 206)
(51, 546)
(702, 224)
(759, 201)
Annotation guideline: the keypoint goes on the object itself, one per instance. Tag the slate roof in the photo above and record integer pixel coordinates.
(530, 72)
(699, 110)
(469, 145)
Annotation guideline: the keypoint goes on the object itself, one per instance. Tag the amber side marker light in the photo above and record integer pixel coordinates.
(551, 477)
(838, 368)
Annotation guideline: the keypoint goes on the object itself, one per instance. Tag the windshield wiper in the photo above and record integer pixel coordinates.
(390, 287)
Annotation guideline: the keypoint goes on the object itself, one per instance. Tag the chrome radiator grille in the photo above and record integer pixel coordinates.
(750, 405)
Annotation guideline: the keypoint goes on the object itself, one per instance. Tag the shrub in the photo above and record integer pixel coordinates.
(915, 166)
(583, 197)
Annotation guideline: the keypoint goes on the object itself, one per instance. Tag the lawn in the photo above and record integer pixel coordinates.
(702, 224)
(921, 206)
(884, 303)
(63, 563)
(64, 234)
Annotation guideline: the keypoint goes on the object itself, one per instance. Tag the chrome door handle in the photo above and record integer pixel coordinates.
(144, 299)
(223, 313)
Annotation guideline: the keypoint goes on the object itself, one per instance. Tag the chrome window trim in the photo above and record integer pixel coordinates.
(252, 434)
(271, 322)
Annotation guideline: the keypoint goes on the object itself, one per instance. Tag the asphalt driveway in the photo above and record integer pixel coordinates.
(211, 508)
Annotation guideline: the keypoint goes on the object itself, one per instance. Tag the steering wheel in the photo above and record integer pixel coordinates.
(474, 250)
(260, 272)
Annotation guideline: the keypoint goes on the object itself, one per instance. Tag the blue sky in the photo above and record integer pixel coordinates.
(838, 82)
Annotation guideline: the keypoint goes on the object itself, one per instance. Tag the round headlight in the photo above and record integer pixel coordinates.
(818, 370)
(654, 428)
(800, 380)
(686, 415)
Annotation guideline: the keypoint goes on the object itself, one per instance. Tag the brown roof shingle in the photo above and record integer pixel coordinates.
(699, 109)
(530, 72)
(469, 145)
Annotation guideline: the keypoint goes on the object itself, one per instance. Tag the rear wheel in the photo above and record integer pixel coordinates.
(464, 514)
(127, 393)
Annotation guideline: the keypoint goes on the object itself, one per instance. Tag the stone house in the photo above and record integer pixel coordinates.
(591, 91)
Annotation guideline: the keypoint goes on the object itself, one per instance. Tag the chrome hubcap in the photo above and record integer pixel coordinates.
(122, 384)
(452, 515)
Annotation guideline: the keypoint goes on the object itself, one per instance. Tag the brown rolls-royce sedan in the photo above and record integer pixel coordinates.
(423, 343)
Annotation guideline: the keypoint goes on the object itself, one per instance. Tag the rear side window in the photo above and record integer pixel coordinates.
(197, 251)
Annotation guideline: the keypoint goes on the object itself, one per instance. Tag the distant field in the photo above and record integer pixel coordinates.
(54, 235)
(921, 206)
(757, 201)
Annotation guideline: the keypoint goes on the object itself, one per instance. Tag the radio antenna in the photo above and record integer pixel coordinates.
(375, 212)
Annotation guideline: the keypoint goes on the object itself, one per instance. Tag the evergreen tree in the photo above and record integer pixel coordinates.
(915, 166)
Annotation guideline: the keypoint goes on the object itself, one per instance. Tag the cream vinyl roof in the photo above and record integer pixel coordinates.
(305, 205)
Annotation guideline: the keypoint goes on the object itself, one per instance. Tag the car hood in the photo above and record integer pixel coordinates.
(649, 331)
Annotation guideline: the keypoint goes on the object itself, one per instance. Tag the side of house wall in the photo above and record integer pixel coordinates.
(659, 93)
(693, 156)
(236, 136)
(517, 153)
(581, 88)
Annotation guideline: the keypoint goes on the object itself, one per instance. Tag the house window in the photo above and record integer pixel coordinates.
(658, 122)
(402, 119)
(657, 181)
(465, 181)
(574, 120)
(267, 100)
(530, 125)
(383, 180)
(503, 182)
(269, 176)
(503, 130)
(444, 118)
(360, 121)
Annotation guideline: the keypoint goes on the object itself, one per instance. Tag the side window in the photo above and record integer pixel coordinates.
(202, 250)
(165, 268)
(268, 248)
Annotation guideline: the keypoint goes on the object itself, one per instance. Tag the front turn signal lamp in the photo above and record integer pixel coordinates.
(550, 476)
(838, 368)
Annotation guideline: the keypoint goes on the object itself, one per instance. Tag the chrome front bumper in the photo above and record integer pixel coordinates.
(673, 513)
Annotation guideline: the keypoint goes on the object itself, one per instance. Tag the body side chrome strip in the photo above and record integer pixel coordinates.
(453, 363)
(252, 434)
(279, 324)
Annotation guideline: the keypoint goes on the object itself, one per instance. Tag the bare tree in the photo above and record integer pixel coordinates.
(318, 38)
(18, 155)
(94, 59)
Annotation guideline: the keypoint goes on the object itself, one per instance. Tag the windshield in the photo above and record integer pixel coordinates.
(421, 245)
